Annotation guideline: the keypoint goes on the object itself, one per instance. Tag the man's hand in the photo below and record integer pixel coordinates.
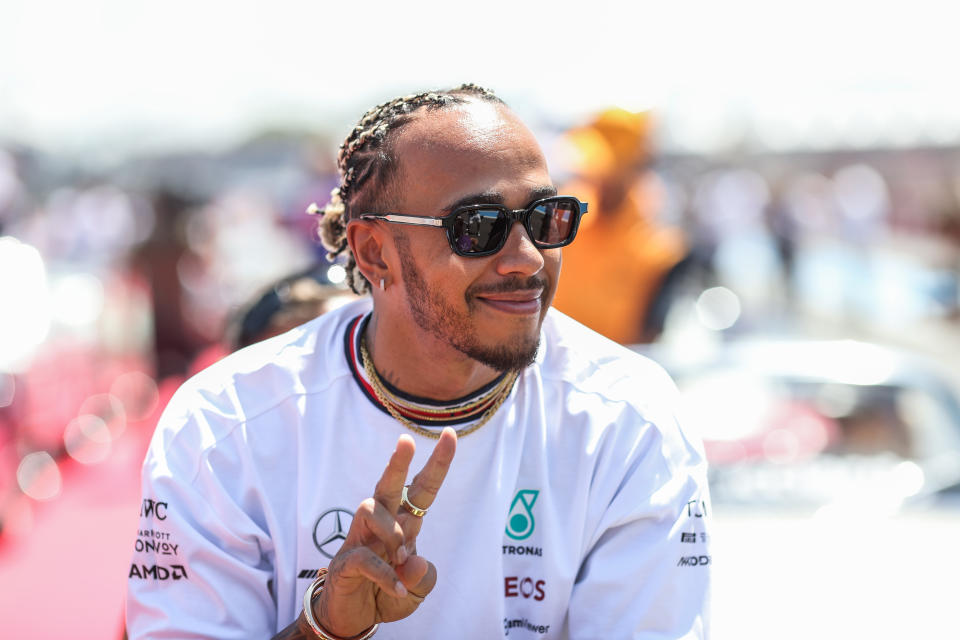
(377, 575)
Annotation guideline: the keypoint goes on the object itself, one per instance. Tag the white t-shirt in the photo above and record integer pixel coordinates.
(579, 510)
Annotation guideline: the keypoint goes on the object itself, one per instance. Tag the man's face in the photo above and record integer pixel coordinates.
(488, 308)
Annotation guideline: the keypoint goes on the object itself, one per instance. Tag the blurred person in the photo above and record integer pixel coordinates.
(618, 277)
(160, 260)
(577, 506)
(243, 246)
(948, 226)
(736, 237)
(12, 191)
(284, 305)
(292, 301)
(318, 175)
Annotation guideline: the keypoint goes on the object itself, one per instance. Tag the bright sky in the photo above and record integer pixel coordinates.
(131, 73)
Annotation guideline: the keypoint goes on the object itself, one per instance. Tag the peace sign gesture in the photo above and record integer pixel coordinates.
(377, 576)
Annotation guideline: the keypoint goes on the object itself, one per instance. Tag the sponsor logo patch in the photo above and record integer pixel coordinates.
(151, 546)
(693, 561)
(697, 508)
(525, 587)
(158, 572)
(153, 533)
(153, 508)
(511, 550)
(524, 624)
(520, 520)
(331, 530)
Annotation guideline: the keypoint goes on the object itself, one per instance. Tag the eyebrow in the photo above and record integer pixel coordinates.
(494, 197)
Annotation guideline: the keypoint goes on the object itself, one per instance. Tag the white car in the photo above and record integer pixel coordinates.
(819, 423)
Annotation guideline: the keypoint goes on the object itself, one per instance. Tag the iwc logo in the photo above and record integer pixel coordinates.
(520, 518)
(331, 530)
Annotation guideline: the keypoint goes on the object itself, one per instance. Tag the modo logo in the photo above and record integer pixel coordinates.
(520, 517)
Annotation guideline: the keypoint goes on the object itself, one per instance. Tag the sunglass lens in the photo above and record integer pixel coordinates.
(479, 230)
(552, 222)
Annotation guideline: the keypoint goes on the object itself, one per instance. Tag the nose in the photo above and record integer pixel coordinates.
(519, 256)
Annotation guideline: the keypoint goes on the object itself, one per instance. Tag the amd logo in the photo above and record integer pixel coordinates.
(514, 586)
(158, 572)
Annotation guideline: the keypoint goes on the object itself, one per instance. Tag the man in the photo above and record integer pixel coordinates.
(625, 266)
(575, 507)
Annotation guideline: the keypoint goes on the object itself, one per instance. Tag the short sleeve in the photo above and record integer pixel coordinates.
(202, 564)
(647, 573)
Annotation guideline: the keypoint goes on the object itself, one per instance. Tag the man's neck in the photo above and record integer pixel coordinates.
(419, 364)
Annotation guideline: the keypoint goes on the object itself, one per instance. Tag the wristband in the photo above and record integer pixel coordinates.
(310, 596)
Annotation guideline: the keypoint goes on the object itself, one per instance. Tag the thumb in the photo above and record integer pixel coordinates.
(418, 575)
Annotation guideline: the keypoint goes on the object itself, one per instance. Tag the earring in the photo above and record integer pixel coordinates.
(382, 288)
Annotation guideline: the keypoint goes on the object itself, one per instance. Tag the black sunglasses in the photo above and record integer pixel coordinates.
(478, 230)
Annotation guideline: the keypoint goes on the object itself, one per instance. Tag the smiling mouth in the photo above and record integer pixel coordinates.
(514, 302)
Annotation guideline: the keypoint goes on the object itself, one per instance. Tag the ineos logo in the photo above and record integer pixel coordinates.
(331, 530)
(514, 586)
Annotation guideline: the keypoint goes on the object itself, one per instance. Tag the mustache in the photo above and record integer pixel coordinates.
(505, 286)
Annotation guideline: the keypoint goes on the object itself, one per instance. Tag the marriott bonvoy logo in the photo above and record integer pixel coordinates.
(520, 520)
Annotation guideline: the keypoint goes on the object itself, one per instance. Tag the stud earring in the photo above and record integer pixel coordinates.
(382, 288)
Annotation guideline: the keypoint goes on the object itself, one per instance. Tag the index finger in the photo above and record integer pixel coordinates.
(426, 484)
(390, 485)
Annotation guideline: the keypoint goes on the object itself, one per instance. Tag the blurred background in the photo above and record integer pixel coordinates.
(774, 196)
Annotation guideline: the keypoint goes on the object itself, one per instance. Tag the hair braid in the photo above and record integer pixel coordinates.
(366, 165)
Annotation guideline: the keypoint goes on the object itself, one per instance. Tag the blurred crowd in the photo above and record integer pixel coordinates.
(118, 285)
(118, 282)
(863, 242)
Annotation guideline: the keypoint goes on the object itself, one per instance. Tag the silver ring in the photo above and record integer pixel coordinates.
(409, 506)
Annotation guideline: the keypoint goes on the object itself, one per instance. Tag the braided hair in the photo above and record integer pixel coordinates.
(367, 166)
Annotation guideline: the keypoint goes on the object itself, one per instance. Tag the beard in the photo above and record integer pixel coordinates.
(432, 313)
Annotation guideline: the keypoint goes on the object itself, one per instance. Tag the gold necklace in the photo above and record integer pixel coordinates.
(428, 414)
(382, 395)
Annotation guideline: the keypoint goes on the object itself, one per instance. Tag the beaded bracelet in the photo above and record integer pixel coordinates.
(310, 596)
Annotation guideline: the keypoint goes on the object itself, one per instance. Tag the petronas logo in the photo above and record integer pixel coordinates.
(520, 519)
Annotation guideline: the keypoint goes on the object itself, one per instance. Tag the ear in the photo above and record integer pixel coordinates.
(370, 244)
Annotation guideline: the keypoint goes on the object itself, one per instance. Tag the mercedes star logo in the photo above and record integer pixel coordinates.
(331, 530)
